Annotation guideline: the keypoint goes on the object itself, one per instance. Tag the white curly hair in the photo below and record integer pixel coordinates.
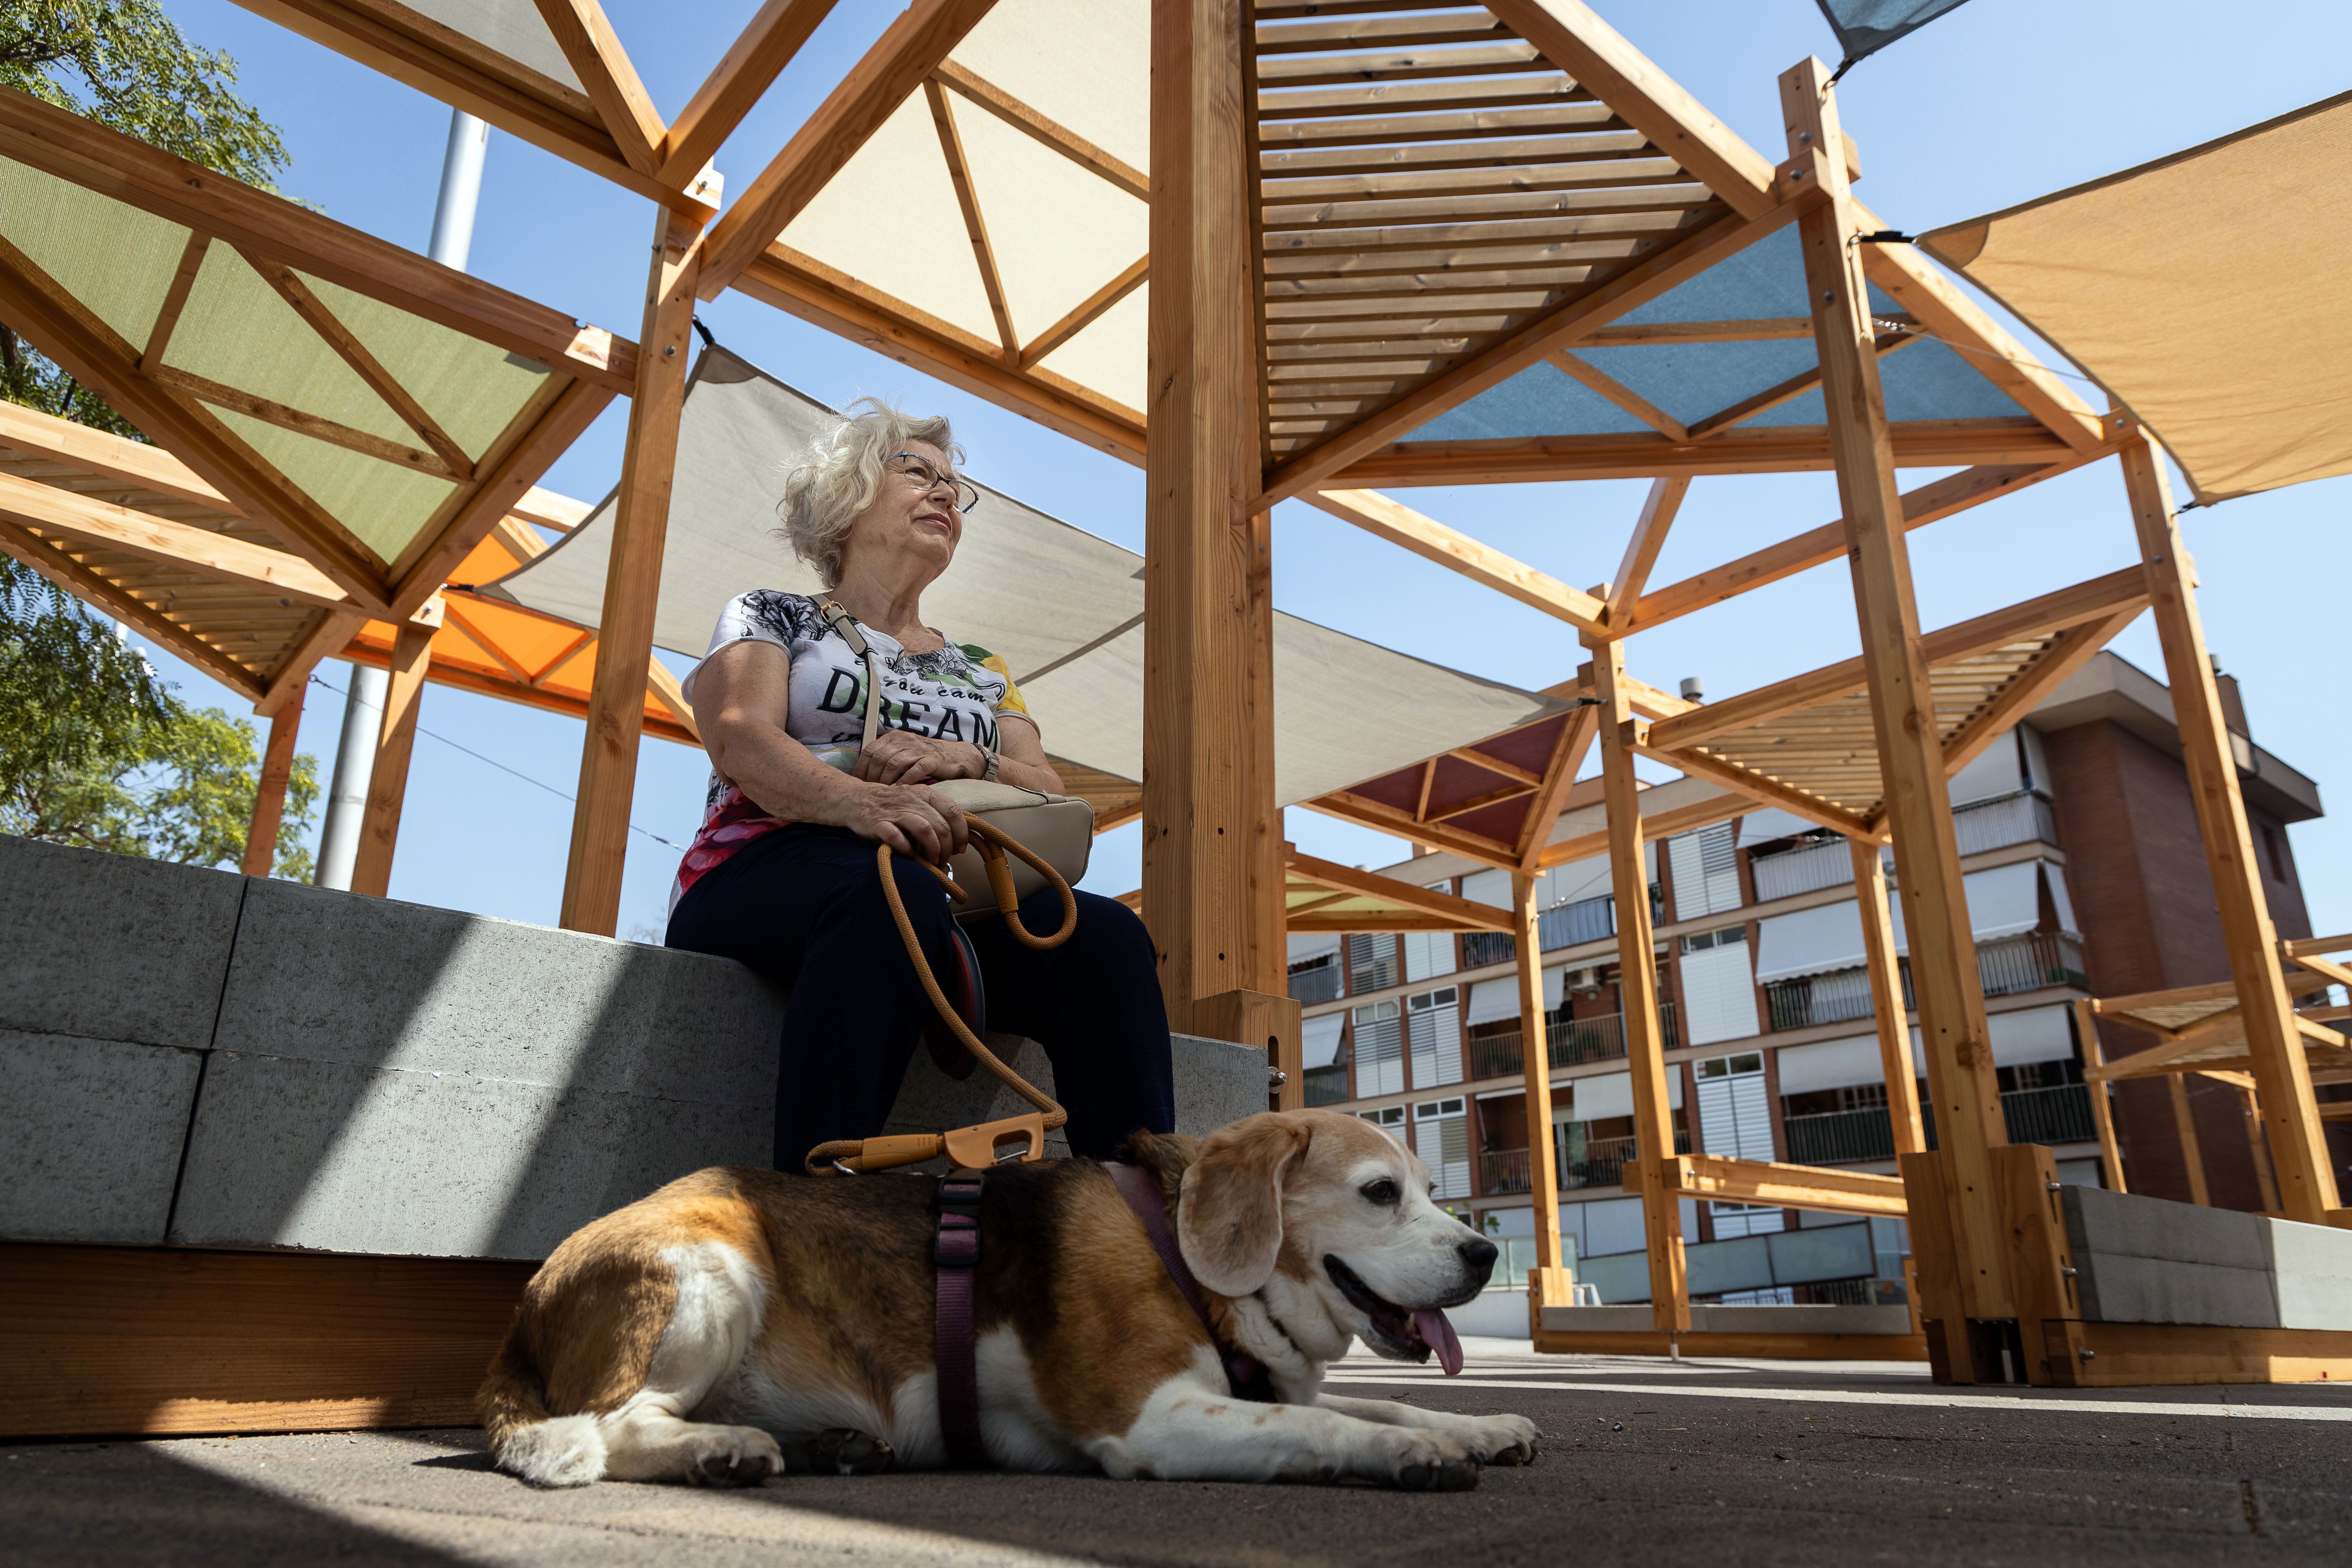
(840, 473)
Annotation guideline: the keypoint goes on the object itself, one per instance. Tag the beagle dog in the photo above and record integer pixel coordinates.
(739, 1323)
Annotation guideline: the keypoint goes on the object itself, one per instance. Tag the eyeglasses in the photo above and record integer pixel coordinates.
(928, 478)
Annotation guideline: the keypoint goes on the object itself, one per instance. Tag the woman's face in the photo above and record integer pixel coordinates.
(907, 520)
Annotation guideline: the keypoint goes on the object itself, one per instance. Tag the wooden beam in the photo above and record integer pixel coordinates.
(269, 793)
(87, 521)
(625, 629)
(894, 67)
(1349, 806)
(78, 580)
(1608, 386)
(411, 659)
(1788, 390)
(323, 640)
(1029, 122)
(1891, 1017)
(1547, 1281)
(1576, 738)
(603, 66)
(127, 170)
(2102, 1115)
(1903, 715)
(302, 422)
(975, 227)
(2299, 946)
(759, 54)
(2074, 649)
(803, 287)
(175, 300)
(2192, 1154)
(1211, 832)
(109, 456)
(2306, 1176)
(1654, 1126)
(2093, 604)
(314, 310)
(1086, 312)
(446, 65)
(1658, 510)
(1645, 280)
(1764, 790)
(1654, 826)
(91, 352)
(1820, 1188)
(1645, 98)
(1463, 913)
(1433, 541)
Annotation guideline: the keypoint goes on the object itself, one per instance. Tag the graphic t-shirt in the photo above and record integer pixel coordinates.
(958, 692)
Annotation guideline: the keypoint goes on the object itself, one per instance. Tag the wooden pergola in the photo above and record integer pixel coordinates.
(1369, 227)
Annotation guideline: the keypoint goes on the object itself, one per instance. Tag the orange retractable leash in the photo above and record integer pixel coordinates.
(966, 1147)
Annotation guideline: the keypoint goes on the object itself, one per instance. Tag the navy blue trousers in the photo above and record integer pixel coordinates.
(803, 907)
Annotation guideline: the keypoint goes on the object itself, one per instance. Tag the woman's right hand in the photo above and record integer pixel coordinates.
(909, 819)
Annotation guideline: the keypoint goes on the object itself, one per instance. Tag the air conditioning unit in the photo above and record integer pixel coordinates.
(1584, 981)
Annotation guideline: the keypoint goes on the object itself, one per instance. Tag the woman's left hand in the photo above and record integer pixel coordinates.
(897, 757)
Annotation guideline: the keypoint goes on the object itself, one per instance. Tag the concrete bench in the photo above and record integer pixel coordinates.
(2149, 1260)
(198, 1058)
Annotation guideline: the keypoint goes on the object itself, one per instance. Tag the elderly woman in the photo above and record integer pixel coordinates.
(781, 875)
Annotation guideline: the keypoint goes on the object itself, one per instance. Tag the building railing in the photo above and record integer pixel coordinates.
(1572, 1041)
(2004, 968)
(2060, 1114)
(1602, 1161)
(1326, 1085)
(2020, 818)
(1320, 984)
(1563, 925)
(1504, 1171)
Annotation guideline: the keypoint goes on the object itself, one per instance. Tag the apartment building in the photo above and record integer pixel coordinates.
(2085, 876)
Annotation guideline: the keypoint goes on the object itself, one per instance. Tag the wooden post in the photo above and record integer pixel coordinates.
(1886, 998)
(2192, 1155)
(1547, 1281)
(1637, 970)
(270, 798)
(1903, 716)
(625, 631)
(412, 656)
(2103, 1093)
(2290, 1114)
(1211, 833)
(2265, 1171)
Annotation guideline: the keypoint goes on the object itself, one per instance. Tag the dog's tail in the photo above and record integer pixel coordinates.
(525, 1440)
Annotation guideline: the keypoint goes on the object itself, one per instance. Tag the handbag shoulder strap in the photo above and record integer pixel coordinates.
(846, 628)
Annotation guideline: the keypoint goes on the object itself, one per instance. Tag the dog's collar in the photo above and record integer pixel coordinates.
(1244, 1371)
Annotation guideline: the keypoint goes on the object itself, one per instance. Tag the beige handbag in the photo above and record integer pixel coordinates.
(1059, 828)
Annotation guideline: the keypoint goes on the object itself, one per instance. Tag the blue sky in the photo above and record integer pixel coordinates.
(2000, 102)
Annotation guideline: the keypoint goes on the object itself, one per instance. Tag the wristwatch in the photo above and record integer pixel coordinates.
(988, 773)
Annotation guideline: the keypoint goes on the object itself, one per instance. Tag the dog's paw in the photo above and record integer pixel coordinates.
(1427, 1461)
(1505, 1440)
(733, 1457)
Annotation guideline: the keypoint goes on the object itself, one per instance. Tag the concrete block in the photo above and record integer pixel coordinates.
(2119, 1290)
(1217, 1082)
(2312, 1270)
(2128, 1224)
(324, 977)
(1599, 1320)
(1800, 1320)
(90, 1137)
(112, 948)
(403, 1160)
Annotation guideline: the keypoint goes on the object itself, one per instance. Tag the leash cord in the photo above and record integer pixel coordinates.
(993, 844)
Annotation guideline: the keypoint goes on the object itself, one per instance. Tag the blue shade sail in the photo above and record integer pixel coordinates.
(1926, 380)
(1541, 400)
(1865, 27)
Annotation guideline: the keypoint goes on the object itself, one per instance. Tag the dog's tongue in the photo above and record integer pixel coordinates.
(1438, 1335)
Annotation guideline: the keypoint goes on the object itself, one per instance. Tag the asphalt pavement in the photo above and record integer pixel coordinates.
(1645, 1461)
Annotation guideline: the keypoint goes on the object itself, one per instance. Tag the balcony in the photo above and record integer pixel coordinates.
(1572, 1042)
(2020, 818)
(2060, 1114)
(1602, 1161)
(1326, 1085)
(2004, 968)
(1563, 925)
(1503, 1171)
(1320, 984)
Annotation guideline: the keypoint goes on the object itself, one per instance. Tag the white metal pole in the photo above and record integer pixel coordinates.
(452, 240)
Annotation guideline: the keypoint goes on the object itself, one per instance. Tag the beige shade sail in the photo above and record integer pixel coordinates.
(2186, 288)
(1064, 607)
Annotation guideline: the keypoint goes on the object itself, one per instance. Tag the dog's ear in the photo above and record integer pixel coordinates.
(1229, 1225)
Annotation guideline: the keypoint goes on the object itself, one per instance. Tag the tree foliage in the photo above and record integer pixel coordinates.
(124, 65)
